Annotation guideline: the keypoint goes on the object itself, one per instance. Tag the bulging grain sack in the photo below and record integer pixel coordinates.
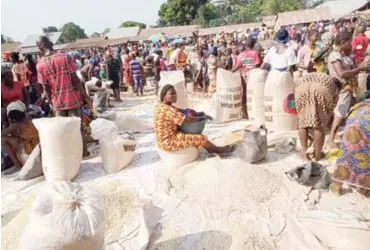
(61, 143)
(279, 102)
(66, 216)
(118, 152)
(177, 80)
(33, 166)
(103, 129)
(255, 91)
(228, 96)
(179, 158)
(132, 124)
(362, 85)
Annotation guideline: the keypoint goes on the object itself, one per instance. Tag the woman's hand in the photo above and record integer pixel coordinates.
(365, 66)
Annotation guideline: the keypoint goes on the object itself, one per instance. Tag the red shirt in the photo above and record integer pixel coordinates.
(359, 47)
(248, 59)
(12, 95)
(56, 71)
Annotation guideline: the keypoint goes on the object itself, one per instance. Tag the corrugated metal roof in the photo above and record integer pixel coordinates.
(229, 28)
(340, 8)
(303, 16)
(31, 39)
(123, 32)
(170, 31)
(90, 39)
(269, 20)
(10, 47)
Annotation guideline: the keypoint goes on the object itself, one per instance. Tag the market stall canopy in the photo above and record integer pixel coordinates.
(55, 38)
(341, 8)
(87, 43)
(269, 20)
(10, 47)
(123, 32)
(170, 31)
(229, 28)
(302, 16)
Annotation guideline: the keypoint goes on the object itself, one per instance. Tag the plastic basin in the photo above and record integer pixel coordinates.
(193, 128)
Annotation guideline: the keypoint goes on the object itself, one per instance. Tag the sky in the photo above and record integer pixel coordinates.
(20, 18)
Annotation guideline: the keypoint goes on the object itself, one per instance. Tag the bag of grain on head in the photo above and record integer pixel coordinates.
(255, 90)
(61, 143)
(177, 80)
(228, 96)
(117, 152)
(66, 216)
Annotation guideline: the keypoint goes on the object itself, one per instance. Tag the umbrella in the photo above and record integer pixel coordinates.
(155, 38)
(74, 53)
(178, 40)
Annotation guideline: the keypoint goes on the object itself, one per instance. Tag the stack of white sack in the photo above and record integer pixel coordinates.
(61, 145)
(117, 149)
(65, 216)
(126, 122)
(177, 80)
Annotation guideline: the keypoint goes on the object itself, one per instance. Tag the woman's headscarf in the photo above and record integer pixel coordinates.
(164, 91)
(17, 105)
(327, 38)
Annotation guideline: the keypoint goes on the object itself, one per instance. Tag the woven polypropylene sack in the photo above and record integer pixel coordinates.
(66, 216)
(255, 144)
(177, 80)
(61, 143)
(118, 153)
(228, 96)
(179, 158)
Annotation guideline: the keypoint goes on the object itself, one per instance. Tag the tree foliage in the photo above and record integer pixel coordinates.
(49, 29)
(105, 31)
(73, 32)
(133, 24)
(6, 39)
(95, 34)
(222, 12)
(179, 12)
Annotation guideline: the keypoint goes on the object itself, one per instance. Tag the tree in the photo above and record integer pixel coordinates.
(230, 6)
(73, 32)
(205, 14)
(133, 24)
(95, 34)
(105, 31)
(2, 39)
(6, 39)
(179, 12)
(49, 29)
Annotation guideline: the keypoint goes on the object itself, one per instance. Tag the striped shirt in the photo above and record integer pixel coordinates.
(135, 67)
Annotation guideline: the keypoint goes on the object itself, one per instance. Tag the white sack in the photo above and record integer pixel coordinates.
(228, 96)
(255, 91)
(66, 216)
(132, 124)
(176, 79)
(33, 166)
(278, 102)
(103, 129)
(339, 230)
(179, 158)
(61, 143)
(362, 85)
(117, 154)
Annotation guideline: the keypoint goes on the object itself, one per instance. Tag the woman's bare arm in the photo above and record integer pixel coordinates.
(11, 130)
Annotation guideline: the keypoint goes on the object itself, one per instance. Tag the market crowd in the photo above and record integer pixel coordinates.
(325, 58)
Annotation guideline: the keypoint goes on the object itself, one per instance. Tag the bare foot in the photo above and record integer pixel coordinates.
(305, 156)
(336, 188)
(320, 156)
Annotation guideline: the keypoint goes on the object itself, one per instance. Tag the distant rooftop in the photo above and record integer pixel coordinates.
(31, 39)
(123, 32)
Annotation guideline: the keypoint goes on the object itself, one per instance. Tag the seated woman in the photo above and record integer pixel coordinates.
(316, 95)
(167, 118)
(21, 134)
(353, 167)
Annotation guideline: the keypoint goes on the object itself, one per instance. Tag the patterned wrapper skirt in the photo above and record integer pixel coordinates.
(353, 166)
(316, 97)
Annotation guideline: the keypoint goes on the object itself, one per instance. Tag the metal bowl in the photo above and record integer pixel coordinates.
(193, 128)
